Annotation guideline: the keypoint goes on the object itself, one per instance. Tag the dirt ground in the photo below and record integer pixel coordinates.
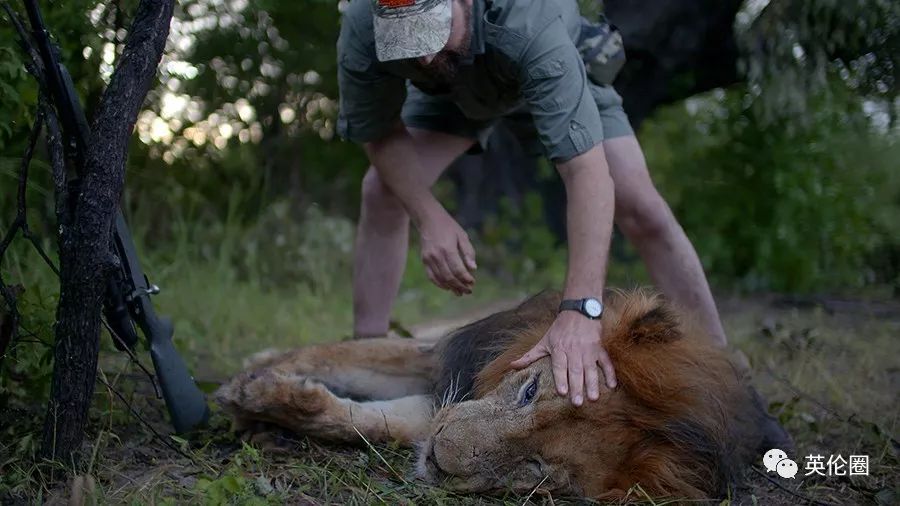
(830, 370)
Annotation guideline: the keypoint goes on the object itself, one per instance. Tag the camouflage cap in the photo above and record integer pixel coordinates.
(410, 28)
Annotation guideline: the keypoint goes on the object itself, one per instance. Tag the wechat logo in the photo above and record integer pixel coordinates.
(776, 461)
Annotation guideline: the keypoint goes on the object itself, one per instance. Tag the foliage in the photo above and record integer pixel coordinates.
(518, 229)
(25, 373)
(796, 50)
(777, 205)
(87, 32)
(232, 485)
(25, 377)
(12, 71)
(249, 93)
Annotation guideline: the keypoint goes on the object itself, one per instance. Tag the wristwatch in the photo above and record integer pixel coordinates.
(590, 307)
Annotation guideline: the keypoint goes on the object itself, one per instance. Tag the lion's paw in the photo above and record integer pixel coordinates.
(263, 390)
(309, 397)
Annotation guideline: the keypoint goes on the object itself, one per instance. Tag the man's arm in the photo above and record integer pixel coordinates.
(370, 105)
(573, 341)
(447, 253)
(565, 114)
(589, 212)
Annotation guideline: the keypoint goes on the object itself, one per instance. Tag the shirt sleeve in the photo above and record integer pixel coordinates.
(370, 99)
(556, 89)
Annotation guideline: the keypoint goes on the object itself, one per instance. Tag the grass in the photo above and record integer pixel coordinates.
(832, 379)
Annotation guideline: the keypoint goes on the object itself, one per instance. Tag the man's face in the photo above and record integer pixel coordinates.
(443, 66)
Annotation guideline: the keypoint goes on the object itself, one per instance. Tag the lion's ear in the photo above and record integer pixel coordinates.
(659, 325)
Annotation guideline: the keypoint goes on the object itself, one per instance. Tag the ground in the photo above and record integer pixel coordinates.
(828, 368)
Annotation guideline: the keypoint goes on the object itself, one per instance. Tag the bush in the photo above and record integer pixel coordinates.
(782, 205)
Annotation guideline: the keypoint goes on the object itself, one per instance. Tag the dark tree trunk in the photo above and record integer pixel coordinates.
(84, 244)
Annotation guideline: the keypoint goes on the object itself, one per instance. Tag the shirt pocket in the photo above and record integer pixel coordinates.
(554, 67)
(548, 77)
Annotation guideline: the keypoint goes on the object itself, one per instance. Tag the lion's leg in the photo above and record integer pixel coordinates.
(319, 390)
(307, 406)
(368, 369)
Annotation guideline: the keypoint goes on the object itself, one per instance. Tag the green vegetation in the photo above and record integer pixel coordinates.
(243, 206)
(780, 205)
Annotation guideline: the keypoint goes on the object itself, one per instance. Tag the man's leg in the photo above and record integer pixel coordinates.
(382, 236)
(646, 220)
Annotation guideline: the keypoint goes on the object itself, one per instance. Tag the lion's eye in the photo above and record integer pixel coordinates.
(529, 393)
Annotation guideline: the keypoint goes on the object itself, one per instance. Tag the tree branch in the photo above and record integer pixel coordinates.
(33, 63)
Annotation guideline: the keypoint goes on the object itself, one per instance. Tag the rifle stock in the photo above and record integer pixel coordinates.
(185, 401)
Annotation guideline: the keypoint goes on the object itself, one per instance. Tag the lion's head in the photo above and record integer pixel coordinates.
(677, 424)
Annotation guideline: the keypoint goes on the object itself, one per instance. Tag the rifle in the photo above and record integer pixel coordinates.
(127, 299)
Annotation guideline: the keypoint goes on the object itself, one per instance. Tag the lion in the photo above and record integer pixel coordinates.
(681, 423)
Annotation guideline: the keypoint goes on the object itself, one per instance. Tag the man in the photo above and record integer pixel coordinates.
(422, 81)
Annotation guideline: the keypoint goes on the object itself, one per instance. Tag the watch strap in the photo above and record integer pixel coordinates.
(572, 305)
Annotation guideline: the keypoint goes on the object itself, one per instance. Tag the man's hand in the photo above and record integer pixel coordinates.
(447, 253)
(574, 345)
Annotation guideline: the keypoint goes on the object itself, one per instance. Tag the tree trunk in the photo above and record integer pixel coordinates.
(84, 244)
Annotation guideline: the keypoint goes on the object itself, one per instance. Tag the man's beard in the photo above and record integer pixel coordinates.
(444, 68)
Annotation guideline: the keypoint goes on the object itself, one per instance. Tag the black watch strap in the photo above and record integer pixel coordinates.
(589, 307)
(572, 305)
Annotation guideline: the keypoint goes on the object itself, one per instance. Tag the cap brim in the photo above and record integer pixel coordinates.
(413, 36)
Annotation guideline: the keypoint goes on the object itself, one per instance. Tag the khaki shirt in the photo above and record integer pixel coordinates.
(523, 56)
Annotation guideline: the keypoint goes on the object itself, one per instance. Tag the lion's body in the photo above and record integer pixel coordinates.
(679, 424)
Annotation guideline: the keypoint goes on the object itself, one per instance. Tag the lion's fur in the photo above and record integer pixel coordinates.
(680, 413)
(679, 423)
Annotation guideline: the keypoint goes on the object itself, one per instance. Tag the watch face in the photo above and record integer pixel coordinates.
(593, 307)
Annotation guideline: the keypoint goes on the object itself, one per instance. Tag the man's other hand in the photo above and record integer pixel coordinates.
(574, 345)
(447, 253)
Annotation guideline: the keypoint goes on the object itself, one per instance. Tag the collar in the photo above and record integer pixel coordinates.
(476, 44)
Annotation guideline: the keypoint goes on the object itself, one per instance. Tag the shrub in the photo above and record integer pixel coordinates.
(780, 205)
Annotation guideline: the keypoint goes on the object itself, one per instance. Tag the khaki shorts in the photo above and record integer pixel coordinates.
(438, 114)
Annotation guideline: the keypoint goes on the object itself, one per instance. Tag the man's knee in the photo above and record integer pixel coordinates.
(645, 218)
(378, 201)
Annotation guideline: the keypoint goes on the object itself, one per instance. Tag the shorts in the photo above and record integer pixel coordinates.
(439, 114)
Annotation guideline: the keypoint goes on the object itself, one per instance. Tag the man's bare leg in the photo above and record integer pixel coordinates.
(648, 223)
(382, 236)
